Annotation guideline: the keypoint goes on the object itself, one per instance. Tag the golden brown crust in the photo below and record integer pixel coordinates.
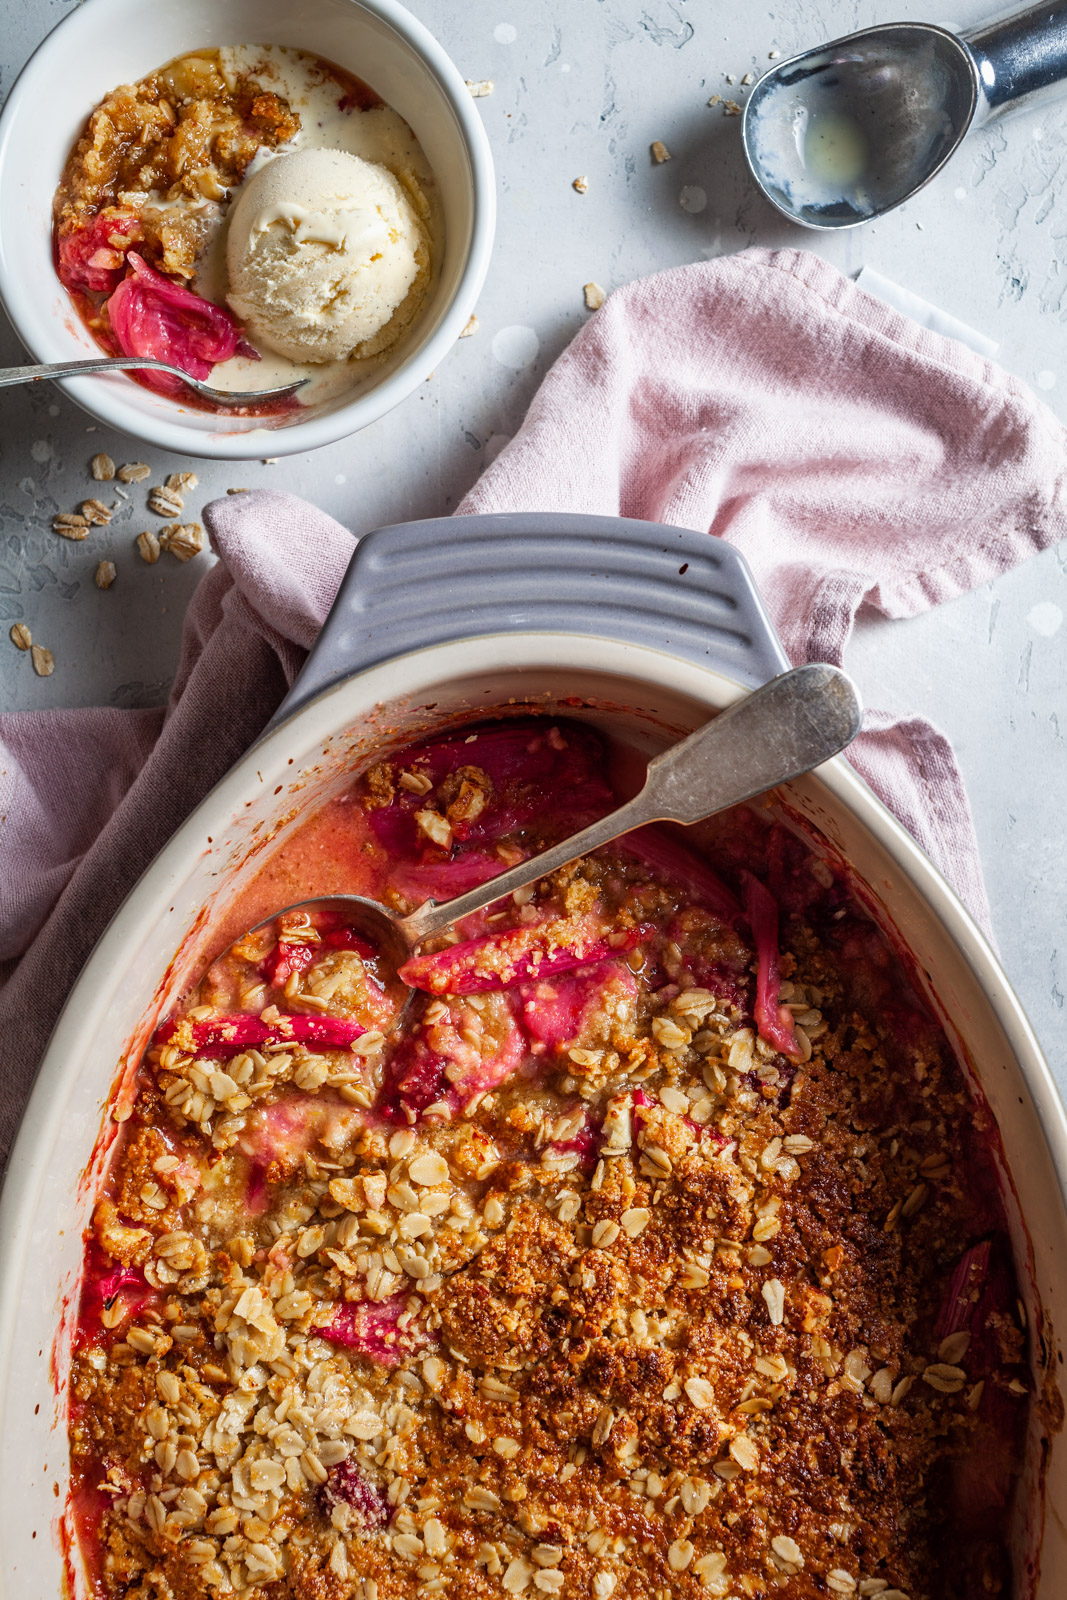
(185, 130)
(660, 1320)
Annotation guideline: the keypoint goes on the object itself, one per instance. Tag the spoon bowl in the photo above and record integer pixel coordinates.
(272, 954)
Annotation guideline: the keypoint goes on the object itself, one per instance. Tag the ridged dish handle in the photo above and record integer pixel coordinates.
(450, 578)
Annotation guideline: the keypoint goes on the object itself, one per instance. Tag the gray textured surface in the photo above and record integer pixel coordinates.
(583, 88)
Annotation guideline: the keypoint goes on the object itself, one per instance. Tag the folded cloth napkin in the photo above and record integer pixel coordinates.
(855, 458)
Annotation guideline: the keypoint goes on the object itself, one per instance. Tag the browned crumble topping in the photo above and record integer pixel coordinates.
(697, 1355)
(184, 131)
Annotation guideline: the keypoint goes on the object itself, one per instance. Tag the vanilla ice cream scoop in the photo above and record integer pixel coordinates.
(325, 251)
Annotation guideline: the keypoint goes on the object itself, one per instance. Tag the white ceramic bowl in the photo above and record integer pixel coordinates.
(639, 693)
(107, 42)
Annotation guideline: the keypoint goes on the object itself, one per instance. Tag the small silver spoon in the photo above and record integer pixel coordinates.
(776, 733)
(843, 133)
(78, 369)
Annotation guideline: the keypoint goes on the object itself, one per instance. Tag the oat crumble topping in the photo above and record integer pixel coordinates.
(609, 1273)
(187, 130)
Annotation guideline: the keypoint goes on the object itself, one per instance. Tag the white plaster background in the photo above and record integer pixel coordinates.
(583, 87)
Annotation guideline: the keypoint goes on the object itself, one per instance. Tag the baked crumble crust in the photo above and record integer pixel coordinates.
(188, 131)
(639, 1307)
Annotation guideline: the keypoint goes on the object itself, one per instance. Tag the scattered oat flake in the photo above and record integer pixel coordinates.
(774, 1295)
(43, 661)
(70, 525)
(700, 1393)
(470, 327)
(635, 1221)
(594, 296)
(731, 109)
(239, 491)
(679, 1555)
(660, 153)
(787, 1549)
(96, 513)
(745, 1452)
(480, 87)
(580, 184)
(181, 482)
(148, 547)
(953, 1348)
(102, 468)
(134, 472)
(730, 78)
(749, 77)
(182, 539)
(944, 1377)
(715, 99)
(772, 55)
(165, 501)
(428, 1169)
(20, 636)
(105, 574)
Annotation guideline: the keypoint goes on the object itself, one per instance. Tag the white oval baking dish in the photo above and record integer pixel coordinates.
(613, 590)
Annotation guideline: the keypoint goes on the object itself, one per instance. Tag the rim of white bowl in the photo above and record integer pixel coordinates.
(35, 329)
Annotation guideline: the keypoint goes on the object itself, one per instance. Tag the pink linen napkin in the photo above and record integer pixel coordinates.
(855, 458)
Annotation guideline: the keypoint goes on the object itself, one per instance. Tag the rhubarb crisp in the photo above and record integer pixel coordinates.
(143, 209)
(652, 1250)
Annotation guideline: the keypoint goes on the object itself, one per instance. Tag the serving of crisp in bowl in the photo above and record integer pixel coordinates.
(260, 197)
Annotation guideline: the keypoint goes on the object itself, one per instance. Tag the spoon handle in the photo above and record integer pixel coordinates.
(789, 726)
(78, 369)
(1021, 58)
(75, 369)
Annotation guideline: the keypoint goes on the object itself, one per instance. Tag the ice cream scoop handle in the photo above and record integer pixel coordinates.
(785, 728)
(1021, 58)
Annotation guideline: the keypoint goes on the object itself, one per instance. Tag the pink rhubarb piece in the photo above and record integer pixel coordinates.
(499, 960)
(437, 1063)
(774, 1021)
(558, 1011)
(89, 260)
(370, 1329)
(151, 315)
(222, 1037)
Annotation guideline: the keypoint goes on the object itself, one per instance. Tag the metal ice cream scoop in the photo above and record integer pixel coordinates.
(845, 132)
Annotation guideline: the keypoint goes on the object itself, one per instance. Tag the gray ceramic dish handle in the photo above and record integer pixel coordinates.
(452, 578)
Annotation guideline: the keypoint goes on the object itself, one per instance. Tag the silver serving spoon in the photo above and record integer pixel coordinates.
(776, 733)
(843, 133)
(78, 369)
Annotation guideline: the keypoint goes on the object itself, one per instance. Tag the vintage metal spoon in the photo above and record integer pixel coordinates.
(843, 133)
(78, 369)
(779, 731)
